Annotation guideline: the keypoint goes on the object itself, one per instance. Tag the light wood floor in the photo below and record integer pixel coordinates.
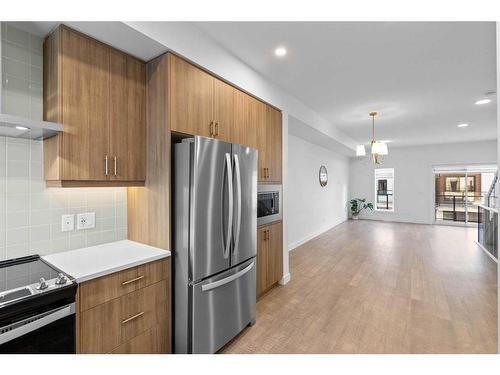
(374, 287)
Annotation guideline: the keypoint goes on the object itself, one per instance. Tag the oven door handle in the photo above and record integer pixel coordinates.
(23, 327)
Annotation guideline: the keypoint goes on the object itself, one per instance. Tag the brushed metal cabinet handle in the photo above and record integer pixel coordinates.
(133, 317)
(216, 129)
(115, 164)
(133, 280)
(210, 129)
(106, 165)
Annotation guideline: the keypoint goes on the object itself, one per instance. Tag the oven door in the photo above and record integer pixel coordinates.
(51, 332)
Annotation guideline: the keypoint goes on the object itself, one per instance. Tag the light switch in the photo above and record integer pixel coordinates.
(67, 223)
(85, 220)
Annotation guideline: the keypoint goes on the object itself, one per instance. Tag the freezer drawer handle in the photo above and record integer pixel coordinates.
(218, 283)
(133, 280)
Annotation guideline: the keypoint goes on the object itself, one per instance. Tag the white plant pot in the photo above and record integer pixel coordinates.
(355, 217)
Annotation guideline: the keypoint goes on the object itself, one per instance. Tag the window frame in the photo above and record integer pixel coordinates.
(375, 184)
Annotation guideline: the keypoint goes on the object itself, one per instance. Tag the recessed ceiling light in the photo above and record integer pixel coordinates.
(462, 125)
(483, 101)
(21, 128)
(280, 51)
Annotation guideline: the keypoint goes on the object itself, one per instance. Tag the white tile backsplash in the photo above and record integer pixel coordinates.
(30, 213)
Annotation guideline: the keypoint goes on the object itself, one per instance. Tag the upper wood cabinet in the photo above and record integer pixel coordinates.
(201, 104)
(225, 110)
(273, 146)
(98, 94)
(191, 98)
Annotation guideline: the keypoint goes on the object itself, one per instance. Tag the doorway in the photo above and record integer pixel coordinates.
(459, 191)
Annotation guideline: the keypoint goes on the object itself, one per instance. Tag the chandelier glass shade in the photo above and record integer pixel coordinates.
(360, 150)
(377, 148)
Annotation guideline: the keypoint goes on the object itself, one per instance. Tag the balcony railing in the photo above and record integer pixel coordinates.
(455, 207)
(384, 200)
(487, 227)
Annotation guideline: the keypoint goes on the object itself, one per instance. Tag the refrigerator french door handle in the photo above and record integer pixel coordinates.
(237, 172)
(229, 233)
(228, 279)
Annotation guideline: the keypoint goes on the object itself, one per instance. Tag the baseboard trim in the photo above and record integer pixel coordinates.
(285, 279)
(395, 220)
(315, 234)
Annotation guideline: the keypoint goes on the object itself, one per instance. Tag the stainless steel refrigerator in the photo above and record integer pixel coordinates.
(214, 242)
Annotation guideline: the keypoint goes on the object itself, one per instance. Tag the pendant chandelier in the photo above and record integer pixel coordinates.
(378, 148)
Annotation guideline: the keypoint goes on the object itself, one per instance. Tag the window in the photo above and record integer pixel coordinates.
(384, 189)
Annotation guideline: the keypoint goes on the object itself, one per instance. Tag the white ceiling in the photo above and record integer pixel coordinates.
(422, 77)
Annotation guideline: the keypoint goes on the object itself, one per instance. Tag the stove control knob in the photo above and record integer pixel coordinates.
(61, 279)
(43, 284)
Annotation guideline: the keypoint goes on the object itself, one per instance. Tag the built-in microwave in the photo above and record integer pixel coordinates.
(269, 204)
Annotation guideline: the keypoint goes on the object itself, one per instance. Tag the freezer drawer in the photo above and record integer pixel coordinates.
(222, 306)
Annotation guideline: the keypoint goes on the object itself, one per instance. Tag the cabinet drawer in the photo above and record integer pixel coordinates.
(114, 323)
(106, 288)
(154, 340)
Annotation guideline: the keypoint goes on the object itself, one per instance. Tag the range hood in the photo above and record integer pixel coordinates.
(20, 127)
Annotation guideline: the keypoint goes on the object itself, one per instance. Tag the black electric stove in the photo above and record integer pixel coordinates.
(37, 307)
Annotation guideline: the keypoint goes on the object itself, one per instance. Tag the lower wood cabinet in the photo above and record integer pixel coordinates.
(269, 256)
(126, 312)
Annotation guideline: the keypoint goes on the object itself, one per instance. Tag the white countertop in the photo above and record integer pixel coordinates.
(91, 262)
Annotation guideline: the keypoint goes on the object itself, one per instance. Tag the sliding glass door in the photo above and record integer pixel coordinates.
(459, 191)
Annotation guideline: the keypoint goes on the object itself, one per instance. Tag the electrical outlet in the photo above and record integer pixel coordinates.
(85, 220)
(67, 223)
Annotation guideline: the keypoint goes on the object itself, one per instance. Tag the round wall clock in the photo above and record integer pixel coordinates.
(323, 176)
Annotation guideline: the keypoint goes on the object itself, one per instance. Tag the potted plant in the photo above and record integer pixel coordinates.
(357, 205)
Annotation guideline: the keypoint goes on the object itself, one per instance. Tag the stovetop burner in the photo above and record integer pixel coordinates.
(29, 276)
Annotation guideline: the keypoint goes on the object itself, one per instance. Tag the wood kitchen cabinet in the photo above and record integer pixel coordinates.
(270, 146)
(269, 256)
(98, 94)
(225, 110)
(190, 97)
(273, 146)
(126, 312)
(250, 114)
(201, 104)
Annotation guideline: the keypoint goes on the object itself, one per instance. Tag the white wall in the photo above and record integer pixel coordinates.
(312, 209)
(413, 177)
